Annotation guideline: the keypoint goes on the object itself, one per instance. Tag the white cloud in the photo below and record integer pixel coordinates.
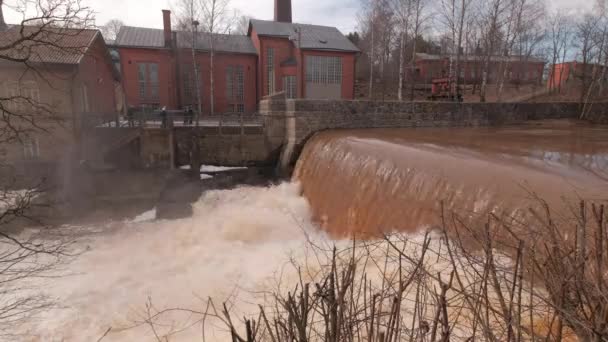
(339, 13)
(147, 13)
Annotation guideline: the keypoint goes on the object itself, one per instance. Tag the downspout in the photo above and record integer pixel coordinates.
(301, 66)
(178, 74)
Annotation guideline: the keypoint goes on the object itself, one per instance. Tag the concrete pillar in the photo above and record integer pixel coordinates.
(289, 140)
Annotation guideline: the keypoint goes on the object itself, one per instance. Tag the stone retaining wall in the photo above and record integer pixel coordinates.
(234, 146)
(289, 123)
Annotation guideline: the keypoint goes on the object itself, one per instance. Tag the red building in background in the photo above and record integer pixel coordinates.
(571, 74)
(520, 69)
(304, 61)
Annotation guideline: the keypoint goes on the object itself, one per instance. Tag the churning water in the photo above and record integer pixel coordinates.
(236, 241)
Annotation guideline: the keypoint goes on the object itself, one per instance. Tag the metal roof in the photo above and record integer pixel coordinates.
(47, 45)
(475, 58)
(140, 37)
(314, 37)
(155, 38)
(230, 43)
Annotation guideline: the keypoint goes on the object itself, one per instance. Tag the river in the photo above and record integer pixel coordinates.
(239, 242)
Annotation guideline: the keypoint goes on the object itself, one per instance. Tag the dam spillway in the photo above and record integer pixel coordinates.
(382, 180)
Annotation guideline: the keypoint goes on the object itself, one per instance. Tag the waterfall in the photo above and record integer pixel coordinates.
(373, 181)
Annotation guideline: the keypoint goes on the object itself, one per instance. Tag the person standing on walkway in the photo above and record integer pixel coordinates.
(163, 118)
(131, 116)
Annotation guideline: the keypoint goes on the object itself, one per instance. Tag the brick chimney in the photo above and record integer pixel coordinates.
(282, 11)
(167, 27)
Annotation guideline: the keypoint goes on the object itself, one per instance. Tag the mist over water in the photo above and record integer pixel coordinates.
(235, 242)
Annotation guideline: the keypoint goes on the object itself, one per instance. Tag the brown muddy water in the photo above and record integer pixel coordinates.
(371, 181)
(240, 242)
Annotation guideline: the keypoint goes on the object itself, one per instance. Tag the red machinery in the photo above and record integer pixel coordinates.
(443, 89)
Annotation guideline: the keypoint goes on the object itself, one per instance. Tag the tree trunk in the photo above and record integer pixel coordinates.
(401, 69)
(413, 64)
(460, 31)
(371, 58)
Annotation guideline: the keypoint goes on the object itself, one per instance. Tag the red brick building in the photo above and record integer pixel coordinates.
(571, 74)
(304, 61)
(520, 70)
(69, 86)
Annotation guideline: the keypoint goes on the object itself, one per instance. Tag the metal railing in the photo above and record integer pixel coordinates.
(178, 118)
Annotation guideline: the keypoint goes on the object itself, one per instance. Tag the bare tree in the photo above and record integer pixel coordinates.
(585, 37)
(216, 18)
(111, 28)
(559, 32)
(403, 12)
(419, 17)
(242, 25)
(454, 14)
(490, 22)
(46, 27)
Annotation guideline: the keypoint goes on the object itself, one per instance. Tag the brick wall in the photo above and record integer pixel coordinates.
(284, 49)
(130, 57)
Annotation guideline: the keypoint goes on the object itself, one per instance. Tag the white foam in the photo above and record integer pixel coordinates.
(149, 215)
(213, 168)
(238, 237)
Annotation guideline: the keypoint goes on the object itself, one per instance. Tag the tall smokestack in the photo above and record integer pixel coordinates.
(3, 25)
(167, 27)
(282, 11)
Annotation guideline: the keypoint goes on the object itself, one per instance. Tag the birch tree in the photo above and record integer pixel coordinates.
(216, 19)
(419, 17)
(454, 17)
(521, 19)
(403, 13)
(490, 23)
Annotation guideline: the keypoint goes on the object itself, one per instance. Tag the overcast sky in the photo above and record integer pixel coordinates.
(339, 13)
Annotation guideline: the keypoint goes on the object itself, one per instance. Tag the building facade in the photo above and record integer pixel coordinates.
(519, 69)
(570, 75)
(303, 61)
(68, 86)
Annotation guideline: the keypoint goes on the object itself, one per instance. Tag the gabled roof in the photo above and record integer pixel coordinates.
(476, 58)
(314, 37)
(140, 37)
(46, 44)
